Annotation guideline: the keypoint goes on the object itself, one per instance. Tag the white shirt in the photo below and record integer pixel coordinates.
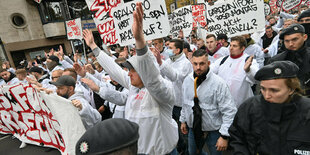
(239, 82)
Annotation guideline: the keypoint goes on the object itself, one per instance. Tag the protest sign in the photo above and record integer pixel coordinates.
(103, 19)
(198, 12)
(181, 20)
(267, 9)
(40, 119)
(155, 20)
(74, 29)
(236, 17)
(290, 4)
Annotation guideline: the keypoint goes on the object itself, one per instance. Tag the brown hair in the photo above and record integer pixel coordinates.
(241, 40)
(210, 36)
(21, 71)
(294, 84)
(72, 72)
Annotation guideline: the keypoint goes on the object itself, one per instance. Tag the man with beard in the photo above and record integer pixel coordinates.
(304, 20)
(208, 108)
(65, 88)
(294, 39)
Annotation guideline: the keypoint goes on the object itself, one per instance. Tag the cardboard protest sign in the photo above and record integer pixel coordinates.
(40, 119)
(198, 12)
(155, 21)
(181, 20)
(74, 29)
(290, 4)
(236, 17)
(103, 19)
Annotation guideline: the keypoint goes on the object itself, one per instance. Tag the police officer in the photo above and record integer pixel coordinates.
(278, 120)
(294, 38)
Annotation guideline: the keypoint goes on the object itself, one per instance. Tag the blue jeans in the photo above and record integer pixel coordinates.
(210, 140)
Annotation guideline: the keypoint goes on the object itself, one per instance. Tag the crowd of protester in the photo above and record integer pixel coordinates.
(186, 92)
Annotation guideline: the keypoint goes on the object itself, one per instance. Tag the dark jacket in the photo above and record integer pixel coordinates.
(301, 58)
(267, 128)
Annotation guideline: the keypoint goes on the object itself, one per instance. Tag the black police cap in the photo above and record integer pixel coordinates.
(306, 13)
(294, 28)
(108, 136)
(277, 70)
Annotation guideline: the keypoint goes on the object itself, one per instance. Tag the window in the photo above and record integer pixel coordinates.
(50, 11)
(79, 9)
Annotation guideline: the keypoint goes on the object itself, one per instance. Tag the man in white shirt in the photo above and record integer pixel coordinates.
(238, 70)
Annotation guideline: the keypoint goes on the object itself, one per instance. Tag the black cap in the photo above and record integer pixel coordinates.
(277, 70)
(305, 13)
(54, 58)
(108, 136)
(64, 80)
(186, 45)
(36, 69)
(294, 28)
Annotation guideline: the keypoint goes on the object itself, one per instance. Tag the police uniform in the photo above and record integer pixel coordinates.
(263, 128)
(301, 57)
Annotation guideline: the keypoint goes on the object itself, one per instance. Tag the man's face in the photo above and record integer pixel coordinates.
(55, 76)
(5, 75)
(63, 91)
(272, 21)
(158, 45)
(235, 49)
(211, 44)
(175, 50)
(21, 77)
(269, 33)
(98, 68)
(135, 78)
(275, 90)
(287, 24)
(200, 64)
(304, 20)
(294, 41)
(200, 43)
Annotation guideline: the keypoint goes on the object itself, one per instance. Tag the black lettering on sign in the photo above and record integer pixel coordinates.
(157, 13)
(123, 24)
(127, 35)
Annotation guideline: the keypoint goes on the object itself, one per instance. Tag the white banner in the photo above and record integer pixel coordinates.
(236, 17)
(103, 19)
(74, 29)
(181, 19)
(40, 119)
(154, 22)
(288, 5)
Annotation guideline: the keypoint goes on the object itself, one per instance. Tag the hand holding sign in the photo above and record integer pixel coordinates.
(137, 27)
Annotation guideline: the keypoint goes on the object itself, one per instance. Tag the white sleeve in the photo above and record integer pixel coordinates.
(174, 74)
(89, 115)
(112, 68)
(157, 86)
(112, 95)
